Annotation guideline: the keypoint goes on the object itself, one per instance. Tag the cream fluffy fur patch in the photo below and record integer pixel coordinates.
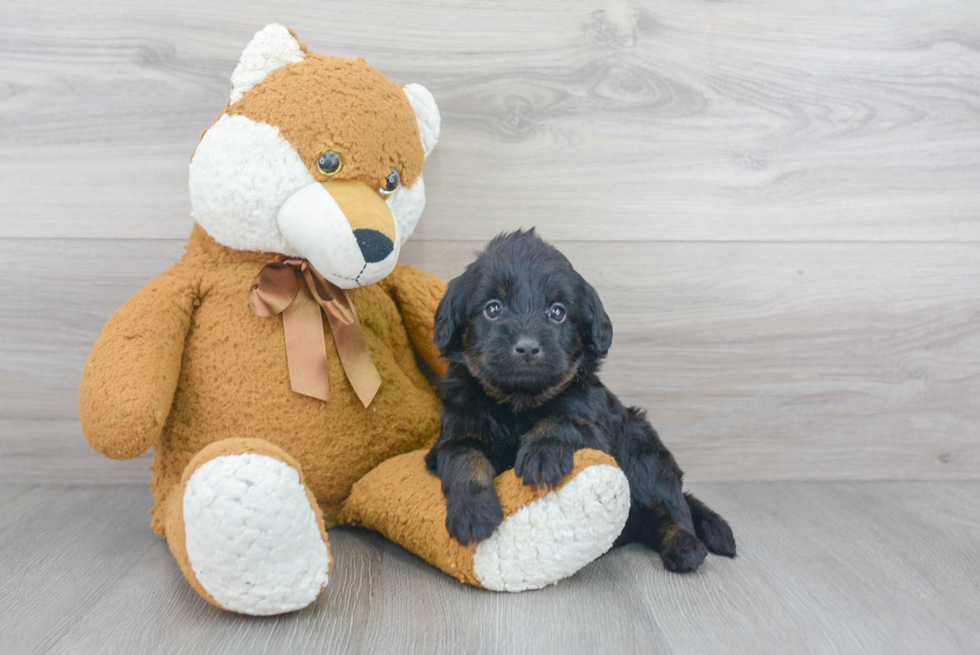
(406, 205)
(272, 47)
(556, 535)
(244, 175)
(241, 174)
(310, 215)
(252, 537)
(426, 115)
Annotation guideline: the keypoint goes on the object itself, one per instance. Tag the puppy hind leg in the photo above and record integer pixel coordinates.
(680, 550)
(661, 515)
(713, 530)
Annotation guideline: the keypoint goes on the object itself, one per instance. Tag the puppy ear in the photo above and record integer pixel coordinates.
(600, 329)
(451, 313)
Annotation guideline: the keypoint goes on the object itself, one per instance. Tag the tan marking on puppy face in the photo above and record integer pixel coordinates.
(468, 337)
(473, 364)
(522, 401)
(329, 103)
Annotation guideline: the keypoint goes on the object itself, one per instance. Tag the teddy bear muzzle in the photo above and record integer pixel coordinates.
(344, 228)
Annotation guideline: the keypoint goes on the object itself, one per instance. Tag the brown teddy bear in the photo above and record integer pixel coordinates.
(274, 369)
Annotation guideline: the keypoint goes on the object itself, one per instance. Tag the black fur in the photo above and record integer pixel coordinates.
(522, 392)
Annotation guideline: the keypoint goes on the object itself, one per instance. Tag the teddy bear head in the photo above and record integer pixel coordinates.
(315, 157)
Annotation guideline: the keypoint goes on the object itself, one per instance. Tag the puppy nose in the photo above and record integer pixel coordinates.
(374, 245)
(528, 349)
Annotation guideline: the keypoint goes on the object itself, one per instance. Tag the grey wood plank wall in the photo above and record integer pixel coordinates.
(777, 199)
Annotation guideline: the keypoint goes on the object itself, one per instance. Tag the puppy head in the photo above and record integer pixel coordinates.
(522, 321)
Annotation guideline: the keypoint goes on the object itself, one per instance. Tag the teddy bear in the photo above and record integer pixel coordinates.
(275, 369)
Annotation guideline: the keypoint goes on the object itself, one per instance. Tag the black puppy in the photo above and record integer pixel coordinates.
(524, 335)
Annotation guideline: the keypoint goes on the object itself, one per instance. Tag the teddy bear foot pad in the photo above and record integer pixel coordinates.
(252, 537)
(554, 536)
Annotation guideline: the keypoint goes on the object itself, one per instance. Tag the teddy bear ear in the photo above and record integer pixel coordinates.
(426, 114)
(274, 46)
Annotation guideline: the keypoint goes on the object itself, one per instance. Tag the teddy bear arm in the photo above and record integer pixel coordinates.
(130, 377)
(418, 294)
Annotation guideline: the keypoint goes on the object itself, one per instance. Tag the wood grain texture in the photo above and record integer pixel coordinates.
(822, 568)
(757, 361)
(62, 549)
(776, 200)
(676, 120)
(55, 451)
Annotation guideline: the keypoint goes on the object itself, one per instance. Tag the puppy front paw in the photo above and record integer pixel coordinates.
(544, 462)
(472, 517)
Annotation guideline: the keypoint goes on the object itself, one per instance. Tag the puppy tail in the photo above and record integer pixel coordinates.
(713, 530)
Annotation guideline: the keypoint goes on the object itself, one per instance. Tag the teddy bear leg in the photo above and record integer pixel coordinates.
(546, 535)
(247, 533)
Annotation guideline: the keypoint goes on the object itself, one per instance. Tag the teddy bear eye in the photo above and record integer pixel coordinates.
(329, 163)
(392, 182)
(557, 313)
(493, 309)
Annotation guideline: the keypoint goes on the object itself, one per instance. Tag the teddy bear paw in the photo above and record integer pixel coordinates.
(252, 536)
(557, 534)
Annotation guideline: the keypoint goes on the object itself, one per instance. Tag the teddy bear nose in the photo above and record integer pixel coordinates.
(374, 245)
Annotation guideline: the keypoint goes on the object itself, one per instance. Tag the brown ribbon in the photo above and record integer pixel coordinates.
(297, 291)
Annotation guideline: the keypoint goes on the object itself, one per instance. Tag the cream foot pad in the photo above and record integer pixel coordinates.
(554, 536)
(252, 538)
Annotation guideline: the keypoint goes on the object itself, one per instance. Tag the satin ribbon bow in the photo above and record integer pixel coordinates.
(297, 291)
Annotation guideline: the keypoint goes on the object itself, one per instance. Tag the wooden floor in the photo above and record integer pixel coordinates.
(873, 567)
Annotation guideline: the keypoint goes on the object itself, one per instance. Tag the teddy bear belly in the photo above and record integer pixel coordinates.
(234, 382)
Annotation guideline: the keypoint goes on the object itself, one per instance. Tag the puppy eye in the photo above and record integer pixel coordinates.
(557, 313)
(392, 182)
(329, 163)
(493, 309)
